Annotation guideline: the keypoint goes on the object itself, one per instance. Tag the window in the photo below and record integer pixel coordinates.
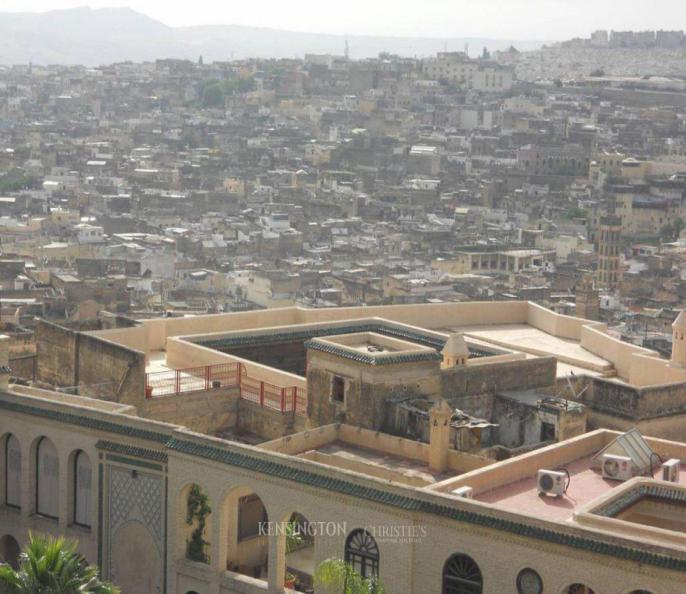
(47, 479)
(12, 472)
(338, 389)
(461, 575)
(362, 553)
(82, 489)
(579, 589)
(529, 582)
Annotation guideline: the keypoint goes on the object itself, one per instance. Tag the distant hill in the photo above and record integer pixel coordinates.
(94, 37)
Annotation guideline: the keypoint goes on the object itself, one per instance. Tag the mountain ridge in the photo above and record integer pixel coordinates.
(93, 37)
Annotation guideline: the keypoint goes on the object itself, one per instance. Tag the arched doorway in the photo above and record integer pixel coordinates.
(10, 551)
(136, 564)
(245, 524)
(299, 553)
(461, 575)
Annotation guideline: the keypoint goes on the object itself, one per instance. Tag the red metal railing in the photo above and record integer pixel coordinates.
(196, 379)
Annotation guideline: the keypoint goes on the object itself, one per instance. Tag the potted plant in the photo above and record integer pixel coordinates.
(290, 581)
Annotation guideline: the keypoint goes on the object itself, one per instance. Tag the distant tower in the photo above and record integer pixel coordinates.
(440, 415)
(347, 50)
(609, 234)
(455, 352)
(200, 61)
(679, 340)
(587, 299)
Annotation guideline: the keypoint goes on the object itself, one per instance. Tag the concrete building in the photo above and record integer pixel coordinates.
(208, 410)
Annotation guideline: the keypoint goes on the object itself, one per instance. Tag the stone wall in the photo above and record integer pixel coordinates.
(108, 370)
(266, 422)
(209, 411)
(633, 403)
(100, 368)
(24, 367)
(56, 353)
(507, 375)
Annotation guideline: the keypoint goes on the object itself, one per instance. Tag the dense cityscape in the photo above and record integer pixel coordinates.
(417, 321)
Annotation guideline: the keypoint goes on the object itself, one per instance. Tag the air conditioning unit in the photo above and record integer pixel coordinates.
(552, 482)
(466, 492)
(670, 470)
(617, 468)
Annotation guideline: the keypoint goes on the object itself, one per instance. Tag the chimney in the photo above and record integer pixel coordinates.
(439, 435)
(5, 370)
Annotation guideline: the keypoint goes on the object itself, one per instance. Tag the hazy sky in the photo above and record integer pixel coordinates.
(505, 19)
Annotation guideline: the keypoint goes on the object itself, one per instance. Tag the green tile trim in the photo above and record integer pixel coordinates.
(616, 506)
(382, 359)
(127, 450)
(348, 487)
(383, 328)
(134, 462)
(408, 503)
(100, 512)
(84, 421)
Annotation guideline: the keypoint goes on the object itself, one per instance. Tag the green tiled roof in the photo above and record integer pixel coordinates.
(128, 450)
(416, 504)
(368, 359)
(83, 421)
(347, 486)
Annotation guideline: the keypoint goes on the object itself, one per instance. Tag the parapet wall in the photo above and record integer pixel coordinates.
(96, 366)
(522, 374)
(637, 365)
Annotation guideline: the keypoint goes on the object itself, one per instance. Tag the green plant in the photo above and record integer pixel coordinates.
(198, 508)
(335, 576)
(294, 539)
(53, 566)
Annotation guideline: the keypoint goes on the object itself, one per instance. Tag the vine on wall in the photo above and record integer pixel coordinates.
(198, 508)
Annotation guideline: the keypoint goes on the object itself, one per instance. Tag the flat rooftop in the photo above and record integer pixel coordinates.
(585, 486)
(531, 340)
(373, 453)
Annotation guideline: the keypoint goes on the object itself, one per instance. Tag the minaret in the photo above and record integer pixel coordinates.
(609, 233)
(587, 299)
(455, 352)
(679, 340)
(439, 435)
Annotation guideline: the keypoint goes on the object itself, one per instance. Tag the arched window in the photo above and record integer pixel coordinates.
(579, 589)
(9, 551)
(12, 472)
(461, 575)
(82, 489)
(47, 479)
(362, 552)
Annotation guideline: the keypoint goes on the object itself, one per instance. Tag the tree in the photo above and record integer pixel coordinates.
(672, 231)
(53, 566)
(336, 576)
